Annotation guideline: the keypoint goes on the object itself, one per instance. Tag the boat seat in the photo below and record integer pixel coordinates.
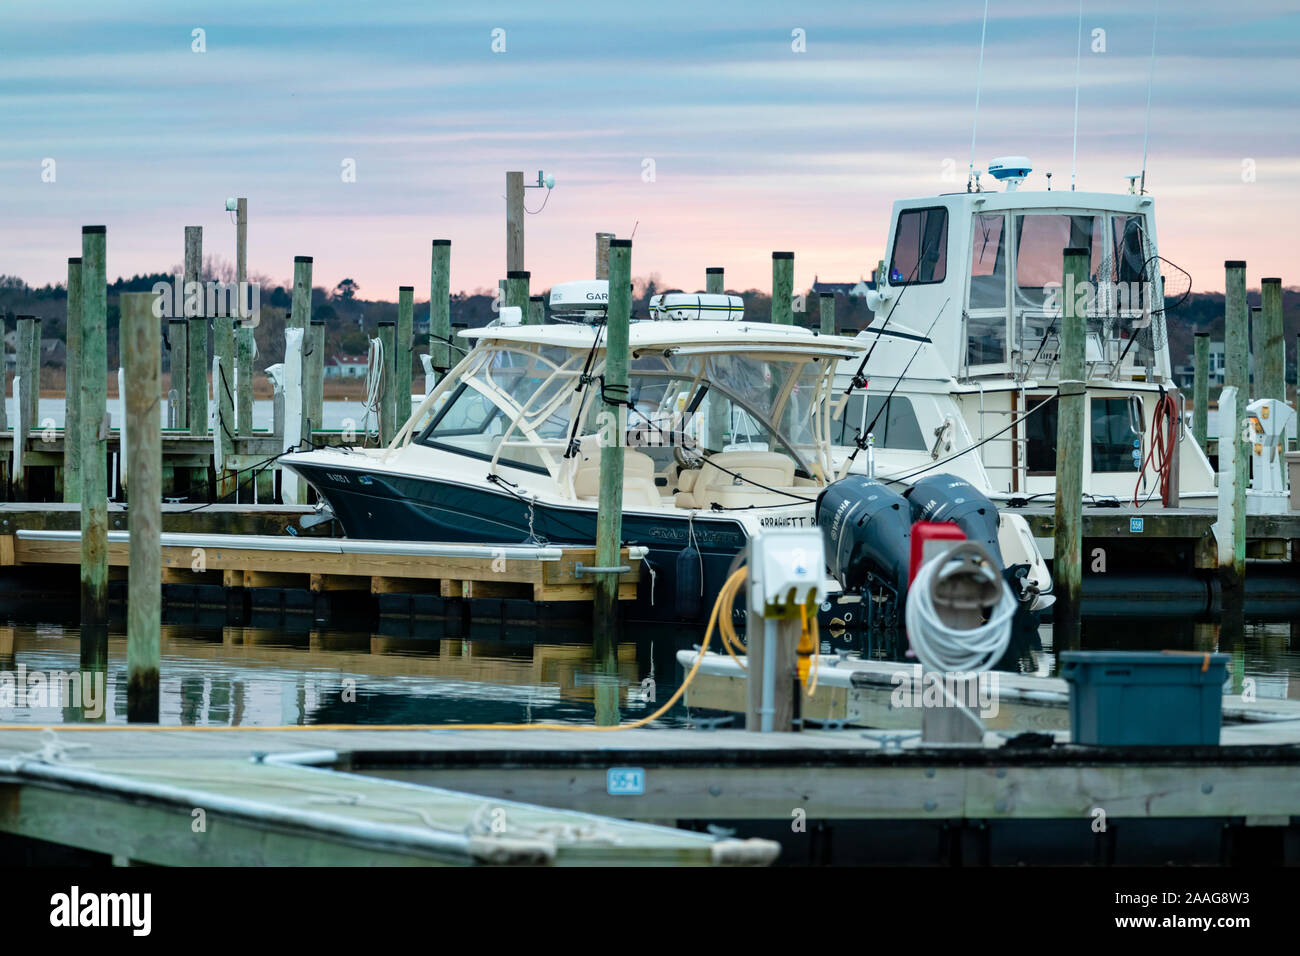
(743, 496)
(765, 467)
(639, 489)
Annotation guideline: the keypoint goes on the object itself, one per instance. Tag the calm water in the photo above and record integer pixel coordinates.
(248, 676)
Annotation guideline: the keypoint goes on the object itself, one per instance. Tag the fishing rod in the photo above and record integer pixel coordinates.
(861, 440)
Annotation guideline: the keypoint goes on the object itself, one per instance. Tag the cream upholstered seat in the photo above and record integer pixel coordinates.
(754, 468)
(639, 490)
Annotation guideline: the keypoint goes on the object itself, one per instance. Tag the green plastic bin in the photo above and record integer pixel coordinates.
(1144, 698)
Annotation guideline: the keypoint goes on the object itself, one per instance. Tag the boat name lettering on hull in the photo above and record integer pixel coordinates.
(786, 521)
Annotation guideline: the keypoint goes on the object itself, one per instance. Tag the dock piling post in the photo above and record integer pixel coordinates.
(94, 448)
(388, 393)
(1236, 342)
(313, 366)
(783, 288)
(517, 292)
(1270, 369)
(402, 353)
(197, 340)
(514, 221)
(715, 284)
(292, 490)
(440, 309)
(34, 395)
(602, 254)
(1230, 529)
(536, 310)
(827, 301)
(1067, 556)
(72, 386)
(245, 347)
(613, 432)
(178, 362)
(141, 358)
(25, 379)
(1201, 389)
(714, 280)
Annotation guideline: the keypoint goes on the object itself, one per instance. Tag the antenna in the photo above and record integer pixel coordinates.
(979, 79)
(1146, 131)
(1078, 55)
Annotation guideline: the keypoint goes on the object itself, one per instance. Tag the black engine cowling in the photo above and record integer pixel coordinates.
(867, 529)
(949, 498)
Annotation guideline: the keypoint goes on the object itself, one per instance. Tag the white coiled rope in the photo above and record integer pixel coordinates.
(944, 649)
(374, 388)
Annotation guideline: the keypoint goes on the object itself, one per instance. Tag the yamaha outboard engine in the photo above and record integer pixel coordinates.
(867, 527)
(949, 498)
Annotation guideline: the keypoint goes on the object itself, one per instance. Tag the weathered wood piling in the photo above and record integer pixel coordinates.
(440, 351)
(94, 434)
(1201, 389)
(1236, 341)
(1067, 555)
(613, 396)
(827, 313)
(783, 288)
(404, 338)
(141, 358)
(72, 386)
(388, 394)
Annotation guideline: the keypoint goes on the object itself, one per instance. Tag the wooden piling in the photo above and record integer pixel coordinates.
(196, 378)
(405, 340)
(514, 221)
(609, 517)
(94, 448)
(178, 362)
(244, 347)
(1270, 367)
(72, 386)
(1236, 346)
(388, 393)
(714, 281)
(1230, 528)
(715, 284)
(827, 302)
(440, 351)
(223, 348)
(517, 292)
(313, 364)
(34, 395)
(783, 288)
(536, 310)
(1201, 389)
(24, 329)
(1067, 557)
(141, 360)
(602, 254)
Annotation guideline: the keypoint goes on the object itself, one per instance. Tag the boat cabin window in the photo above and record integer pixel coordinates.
(896, 428)
(1041, 241)
(986, 318)
(920, 253)
(1115, 447)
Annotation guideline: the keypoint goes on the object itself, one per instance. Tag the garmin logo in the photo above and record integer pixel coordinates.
(73, 909)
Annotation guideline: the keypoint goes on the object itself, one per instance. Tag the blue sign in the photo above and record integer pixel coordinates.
(625, 781)
(1135, 525)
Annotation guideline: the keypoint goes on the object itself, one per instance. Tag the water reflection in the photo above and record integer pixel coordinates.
(273, 676)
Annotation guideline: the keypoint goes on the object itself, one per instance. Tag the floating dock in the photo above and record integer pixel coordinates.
(244, 798)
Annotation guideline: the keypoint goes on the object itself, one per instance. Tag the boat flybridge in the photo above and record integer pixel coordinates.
(968, 314)
(727, 426)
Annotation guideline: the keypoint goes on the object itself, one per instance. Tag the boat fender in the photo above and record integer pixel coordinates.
(690, 584)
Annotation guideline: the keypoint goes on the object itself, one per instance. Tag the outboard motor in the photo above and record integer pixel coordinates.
(867, 527)
(949, 498)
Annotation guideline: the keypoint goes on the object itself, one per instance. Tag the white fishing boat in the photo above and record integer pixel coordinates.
(968, 316)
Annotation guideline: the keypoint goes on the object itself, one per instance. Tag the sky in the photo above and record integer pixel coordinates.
(709, 133)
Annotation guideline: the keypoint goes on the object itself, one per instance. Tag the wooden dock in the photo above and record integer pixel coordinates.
(178, 798)
(826, 796)
(541, 573)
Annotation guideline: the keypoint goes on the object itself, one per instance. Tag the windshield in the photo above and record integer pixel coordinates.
(517, 405)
